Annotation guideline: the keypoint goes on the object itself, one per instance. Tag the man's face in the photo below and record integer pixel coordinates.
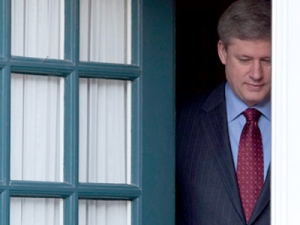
(248, 68)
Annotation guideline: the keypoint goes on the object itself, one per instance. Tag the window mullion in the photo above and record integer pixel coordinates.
(72, 30)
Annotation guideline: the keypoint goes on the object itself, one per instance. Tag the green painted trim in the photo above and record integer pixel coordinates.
(109, 191)
(72, 30)
(136, 32)
(71, 128)
(136, 216)
(136, 139)
(71, 209)
(64, 190)
(4, 125)
(5, 208)
(71, 119)
(62, 68)
(5, 31)
(158, 112)
(4, 110)
(114, 71)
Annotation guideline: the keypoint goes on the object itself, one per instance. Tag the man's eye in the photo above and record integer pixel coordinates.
(243, 60)
(266, 61)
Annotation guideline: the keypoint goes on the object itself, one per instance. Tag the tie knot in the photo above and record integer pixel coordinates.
(252, 114)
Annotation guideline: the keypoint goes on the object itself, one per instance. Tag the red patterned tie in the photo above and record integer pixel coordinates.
(250, 168)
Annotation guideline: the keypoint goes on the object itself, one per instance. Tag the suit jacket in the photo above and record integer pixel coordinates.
(206, 185)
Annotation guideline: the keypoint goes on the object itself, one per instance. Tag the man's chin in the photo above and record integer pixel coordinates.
(255, 100)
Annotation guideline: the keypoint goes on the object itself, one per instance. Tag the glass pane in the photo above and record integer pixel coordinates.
(105, 31)
(37, 127)
(36, 211)
(93, 212)
(38, 28)
(104, 140)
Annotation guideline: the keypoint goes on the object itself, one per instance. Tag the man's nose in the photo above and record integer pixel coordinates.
(256, 70)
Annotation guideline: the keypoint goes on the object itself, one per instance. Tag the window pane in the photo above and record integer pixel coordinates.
(38, 28)
(104, 131)
(105, 31)
(37, 127)
(93, 212)
(36, 211)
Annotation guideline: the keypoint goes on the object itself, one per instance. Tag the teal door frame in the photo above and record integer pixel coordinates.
(158, 112)
(153, 75)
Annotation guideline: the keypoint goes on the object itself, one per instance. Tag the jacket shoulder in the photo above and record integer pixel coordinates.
(202, 103)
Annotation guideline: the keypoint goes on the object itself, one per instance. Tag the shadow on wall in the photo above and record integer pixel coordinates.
(198, 68)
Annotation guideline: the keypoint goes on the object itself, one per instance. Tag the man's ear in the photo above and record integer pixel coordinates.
(222, 52)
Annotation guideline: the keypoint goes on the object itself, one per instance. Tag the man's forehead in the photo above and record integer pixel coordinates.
(233, 41)
(250, 48)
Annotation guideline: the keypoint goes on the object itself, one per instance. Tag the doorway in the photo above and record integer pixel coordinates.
(198, 68)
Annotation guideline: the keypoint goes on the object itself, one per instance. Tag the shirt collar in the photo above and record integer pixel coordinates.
(235, 106)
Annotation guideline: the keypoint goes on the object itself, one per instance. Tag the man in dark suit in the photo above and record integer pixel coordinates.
(208, 181)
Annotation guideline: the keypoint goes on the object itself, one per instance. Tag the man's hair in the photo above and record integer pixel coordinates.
(246, 20)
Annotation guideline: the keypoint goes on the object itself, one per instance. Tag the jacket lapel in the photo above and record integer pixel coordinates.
(217, 134)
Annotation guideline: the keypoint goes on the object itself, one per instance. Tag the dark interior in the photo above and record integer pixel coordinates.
(198, 68)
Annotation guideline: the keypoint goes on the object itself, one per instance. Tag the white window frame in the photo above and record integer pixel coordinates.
(285, 195)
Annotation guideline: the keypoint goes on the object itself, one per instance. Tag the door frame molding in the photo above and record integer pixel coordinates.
(285, 183)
